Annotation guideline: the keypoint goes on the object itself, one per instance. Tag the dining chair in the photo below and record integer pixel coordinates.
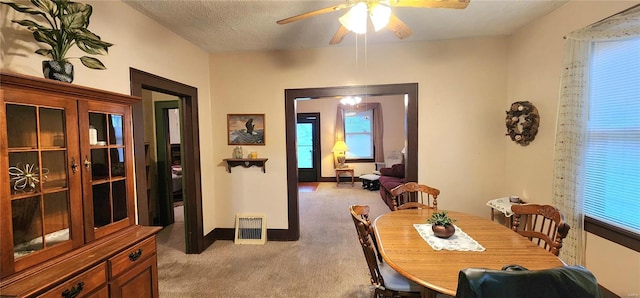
(386, 281)
(363, 212)
(414, 192)
(542, 224)
(559, 282)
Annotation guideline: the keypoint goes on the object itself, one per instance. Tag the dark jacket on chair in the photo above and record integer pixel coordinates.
(560, 282)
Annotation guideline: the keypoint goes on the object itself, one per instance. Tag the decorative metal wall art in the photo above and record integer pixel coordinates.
(522, 122)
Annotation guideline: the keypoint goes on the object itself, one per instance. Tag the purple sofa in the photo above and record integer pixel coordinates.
(389, 179)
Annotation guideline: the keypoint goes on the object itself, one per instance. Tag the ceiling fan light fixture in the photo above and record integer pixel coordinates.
(355, 19)
(380, 15)
(351, 100)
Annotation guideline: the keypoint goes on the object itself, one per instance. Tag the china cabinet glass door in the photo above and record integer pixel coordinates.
(106, 163)
(38, 166)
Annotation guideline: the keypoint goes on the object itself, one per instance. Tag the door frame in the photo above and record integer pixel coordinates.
(191, 173)
(411, 130)
(316, 142)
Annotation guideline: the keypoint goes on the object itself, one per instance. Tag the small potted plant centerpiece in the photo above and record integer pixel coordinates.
(442, 224)
(65, 25)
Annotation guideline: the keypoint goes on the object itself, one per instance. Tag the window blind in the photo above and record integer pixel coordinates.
(612, 156)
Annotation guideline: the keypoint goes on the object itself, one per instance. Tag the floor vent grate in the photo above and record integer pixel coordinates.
(251, 229)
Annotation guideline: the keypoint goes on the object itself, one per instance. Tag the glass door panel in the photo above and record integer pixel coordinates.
(21, 126)
(52, 128)
(27, 226)
(56, 218)
(99, 122)
(305, 145)
(24, 170)
(115, 130)
(99, 164)
(101, 204)
(119, 200)
(54, 172)
(117, 162)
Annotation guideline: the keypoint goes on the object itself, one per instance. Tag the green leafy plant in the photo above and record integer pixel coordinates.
(440, 219)
(66, 26)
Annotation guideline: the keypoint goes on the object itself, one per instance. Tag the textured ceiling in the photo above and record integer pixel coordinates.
(240, 25)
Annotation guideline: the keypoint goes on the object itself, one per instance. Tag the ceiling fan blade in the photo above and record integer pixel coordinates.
(340, 34)
(399, 28)
(457, 4)
(312, 13)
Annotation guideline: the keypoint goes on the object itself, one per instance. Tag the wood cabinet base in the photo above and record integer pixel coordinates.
(87, 271)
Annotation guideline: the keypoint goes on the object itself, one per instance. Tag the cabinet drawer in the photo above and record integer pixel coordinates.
(131, 256)
(82, 284)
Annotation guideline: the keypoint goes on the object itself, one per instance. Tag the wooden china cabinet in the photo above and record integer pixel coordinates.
(67, 211)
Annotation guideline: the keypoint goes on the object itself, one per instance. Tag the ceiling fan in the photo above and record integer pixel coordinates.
(378, 11)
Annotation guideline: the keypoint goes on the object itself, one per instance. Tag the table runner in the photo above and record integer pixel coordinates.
(503, 205)
(459, 241)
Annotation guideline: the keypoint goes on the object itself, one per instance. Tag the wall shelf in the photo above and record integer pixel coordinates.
(246, 163)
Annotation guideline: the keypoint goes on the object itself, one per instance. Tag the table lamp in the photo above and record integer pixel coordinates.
(339, 150)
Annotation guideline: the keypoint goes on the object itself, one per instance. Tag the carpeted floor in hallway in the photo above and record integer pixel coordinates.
(327, 261)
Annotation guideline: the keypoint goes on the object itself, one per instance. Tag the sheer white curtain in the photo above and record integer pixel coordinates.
(572, 122)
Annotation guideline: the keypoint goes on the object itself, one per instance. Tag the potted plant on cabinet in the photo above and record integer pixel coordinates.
(65, 25)
(442, 224)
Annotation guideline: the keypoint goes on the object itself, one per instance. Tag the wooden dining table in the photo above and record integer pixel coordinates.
(402, 248)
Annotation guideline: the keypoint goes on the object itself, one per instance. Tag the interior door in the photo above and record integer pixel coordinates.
(163, 147)
(308, 140)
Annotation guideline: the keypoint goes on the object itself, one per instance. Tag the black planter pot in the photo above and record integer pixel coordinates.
(58, 70)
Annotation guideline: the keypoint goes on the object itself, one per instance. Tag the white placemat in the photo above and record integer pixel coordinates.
(459, 241)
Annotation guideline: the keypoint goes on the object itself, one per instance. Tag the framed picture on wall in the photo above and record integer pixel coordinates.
(245, 129)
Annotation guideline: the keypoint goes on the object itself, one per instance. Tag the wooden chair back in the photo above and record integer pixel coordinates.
(413, 205)
(360, 216)
(414, 192)
(542, 224)
(362, 211)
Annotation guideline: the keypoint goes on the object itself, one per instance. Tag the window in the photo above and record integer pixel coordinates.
(612, 156)
(358, 134)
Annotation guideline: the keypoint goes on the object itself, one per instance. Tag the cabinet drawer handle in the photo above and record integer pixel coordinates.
(74, 291)
(135, 255)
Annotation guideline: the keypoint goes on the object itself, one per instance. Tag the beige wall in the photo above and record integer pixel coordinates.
(535, 61)
(392, 115)
(461, 106)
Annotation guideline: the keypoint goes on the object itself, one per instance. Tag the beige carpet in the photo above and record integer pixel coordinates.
(327, 261)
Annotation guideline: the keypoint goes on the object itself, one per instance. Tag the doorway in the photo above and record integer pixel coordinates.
(410, 92)
(308, 140)
(168, 160)
(191, 174)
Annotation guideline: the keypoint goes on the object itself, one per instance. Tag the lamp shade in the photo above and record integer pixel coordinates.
(380, 15)
(356, 18)
(340, 146)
